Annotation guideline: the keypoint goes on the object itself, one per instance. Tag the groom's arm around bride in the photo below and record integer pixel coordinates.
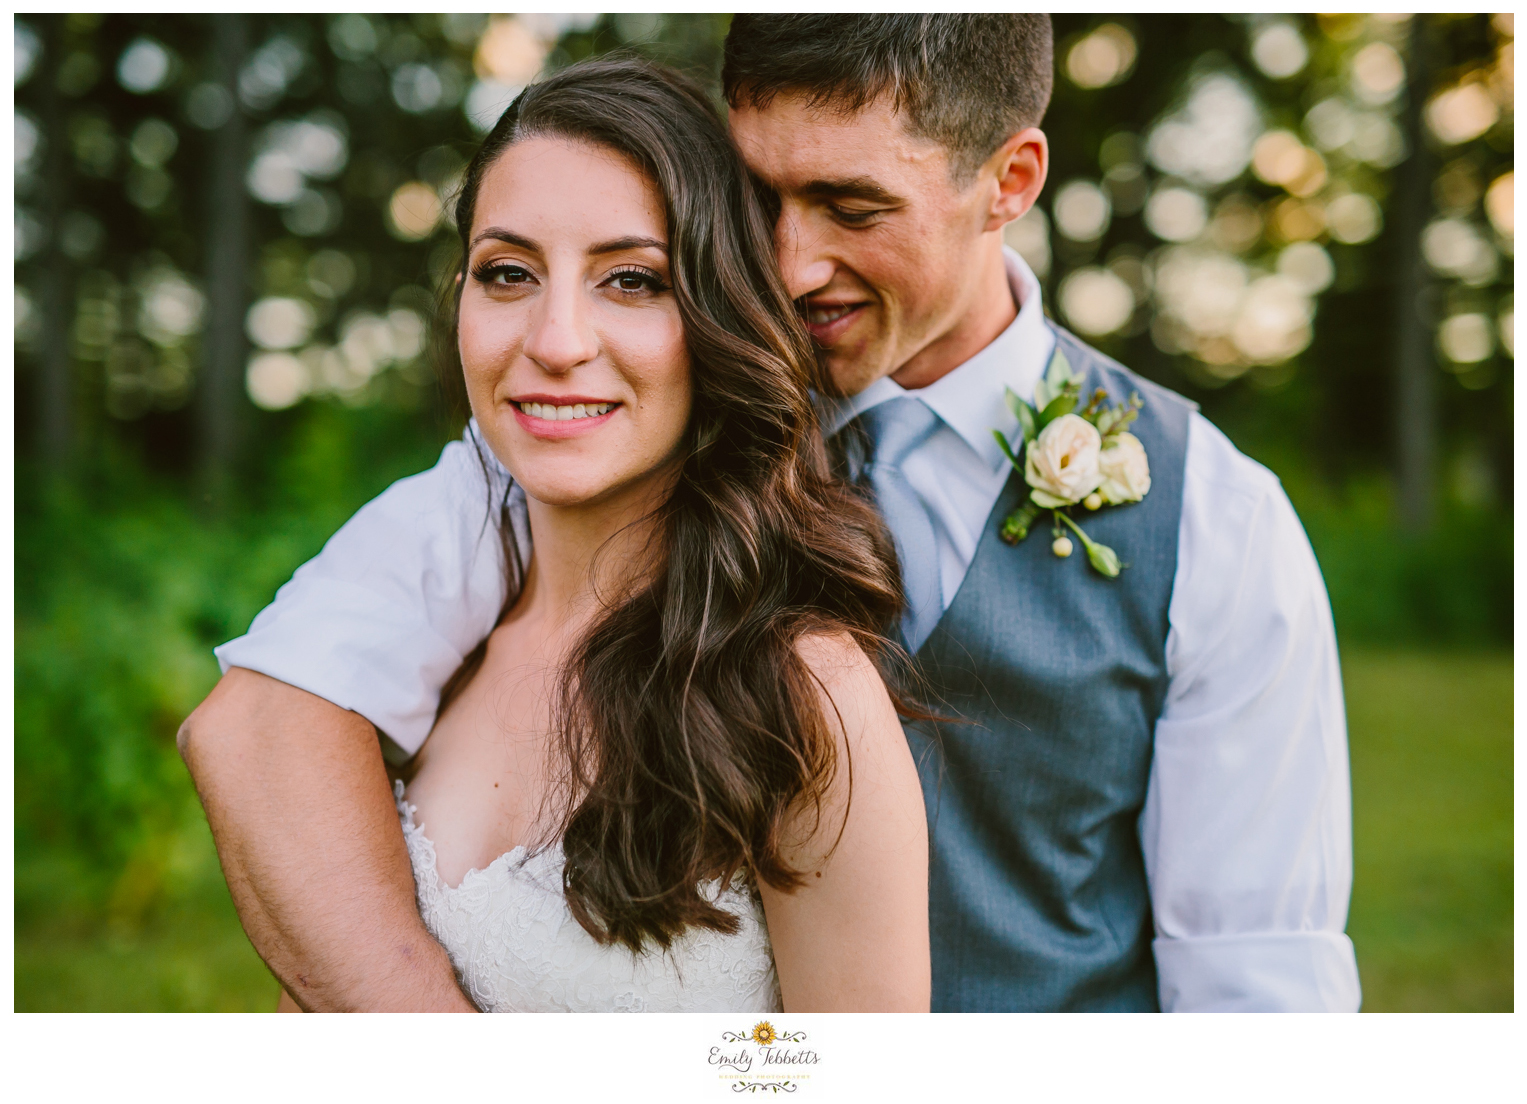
(298, 798)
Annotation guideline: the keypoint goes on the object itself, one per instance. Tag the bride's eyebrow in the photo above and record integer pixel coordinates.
(495, 233)
(620, 245)
(614, 245)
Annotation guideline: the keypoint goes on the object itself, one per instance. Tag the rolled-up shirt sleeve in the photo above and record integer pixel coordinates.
(1246, 827)
(385, 613)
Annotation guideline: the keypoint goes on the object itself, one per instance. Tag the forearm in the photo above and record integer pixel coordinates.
(302, 814)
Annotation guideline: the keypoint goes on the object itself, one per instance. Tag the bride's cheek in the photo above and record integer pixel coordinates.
(485, 358)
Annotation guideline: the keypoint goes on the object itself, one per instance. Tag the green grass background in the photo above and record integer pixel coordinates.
(1431, 822)
(1431, 904)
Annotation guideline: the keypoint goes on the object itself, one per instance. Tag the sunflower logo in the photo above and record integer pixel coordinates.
(764, 1033)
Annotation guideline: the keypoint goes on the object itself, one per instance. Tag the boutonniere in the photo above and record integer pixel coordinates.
(1074, 458)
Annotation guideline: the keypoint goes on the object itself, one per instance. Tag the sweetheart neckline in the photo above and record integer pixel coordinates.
(551, 850)
(505, 860)
(515, 945)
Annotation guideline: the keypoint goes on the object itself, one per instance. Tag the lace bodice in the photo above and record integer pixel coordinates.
(517, 948)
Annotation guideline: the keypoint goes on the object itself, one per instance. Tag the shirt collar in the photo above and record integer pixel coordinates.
(970, 398)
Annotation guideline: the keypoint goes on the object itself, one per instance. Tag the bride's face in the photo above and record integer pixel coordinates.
(570, 337)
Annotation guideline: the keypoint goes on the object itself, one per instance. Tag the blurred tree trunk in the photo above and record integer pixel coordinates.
(54, 392)
(227, 267)
(1416, 408)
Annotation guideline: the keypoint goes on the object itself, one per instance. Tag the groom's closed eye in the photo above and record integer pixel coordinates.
(855, 202)
(852, 217)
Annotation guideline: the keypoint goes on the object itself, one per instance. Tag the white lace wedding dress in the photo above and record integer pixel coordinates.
(517, 948)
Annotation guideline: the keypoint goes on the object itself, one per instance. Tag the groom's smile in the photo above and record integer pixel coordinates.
(830, 318)
(891, 256)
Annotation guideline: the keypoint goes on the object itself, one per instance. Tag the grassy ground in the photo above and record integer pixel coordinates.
(1431, 809)
(1431, 904)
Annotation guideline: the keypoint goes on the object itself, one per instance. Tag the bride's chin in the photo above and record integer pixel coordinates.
(570, 482)
(561, 494)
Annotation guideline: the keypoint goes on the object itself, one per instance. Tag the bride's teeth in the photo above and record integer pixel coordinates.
(549, 413)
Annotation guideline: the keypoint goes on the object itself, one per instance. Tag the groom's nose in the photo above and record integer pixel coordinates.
(801, 262)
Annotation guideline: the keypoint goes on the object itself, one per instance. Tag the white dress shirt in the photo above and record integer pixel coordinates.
(1246, 829)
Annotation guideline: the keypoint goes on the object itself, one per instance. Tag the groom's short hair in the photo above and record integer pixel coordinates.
(968, 82)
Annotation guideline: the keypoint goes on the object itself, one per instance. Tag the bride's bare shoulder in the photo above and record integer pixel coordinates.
(858, 706)
(864, 858)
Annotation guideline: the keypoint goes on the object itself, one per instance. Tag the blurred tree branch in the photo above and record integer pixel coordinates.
(1416, 402)
(228, 254)
(54, 391)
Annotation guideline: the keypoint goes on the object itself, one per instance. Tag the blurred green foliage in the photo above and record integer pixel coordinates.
(127, 574)
(123, 588)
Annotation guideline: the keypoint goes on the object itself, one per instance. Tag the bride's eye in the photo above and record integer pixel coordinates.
(631, 280)
(502, 275)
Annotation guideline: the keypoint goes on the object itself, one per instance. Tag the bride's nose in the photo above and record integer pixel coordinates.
(561, 333)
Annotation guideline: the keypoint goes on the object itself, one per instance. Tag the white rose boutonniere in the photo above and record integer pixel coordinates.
(1062, 465)
(1073, 458)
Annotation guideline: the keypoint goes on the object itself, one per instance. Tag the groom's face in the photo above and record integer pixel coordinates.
(874, 234)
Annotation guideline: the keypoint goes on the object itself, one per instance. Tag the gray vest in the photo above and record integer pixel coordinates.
(1038, 897)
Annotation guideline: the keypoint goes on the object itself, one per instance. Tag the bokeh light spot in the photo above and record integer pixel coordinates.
(1279, 50)
(278, 322)
(1176, 214)
(508, 53)
(170, 308)
(1455, 247)
(1499, 204)
(28, 49)
(1461, 114)
(1307, 265)
(144, 66)
(1466, 338)
(275, 381)
(1378, 73)
(414, 211)
(153, 143)
(1095, 301)
(1102, 58)
(1081, 211)
(209, 105)
(1207, 141)
(1354, 218)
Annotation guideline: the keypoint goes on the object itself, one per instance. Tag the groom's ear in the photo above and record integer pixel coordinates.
(1014, 176)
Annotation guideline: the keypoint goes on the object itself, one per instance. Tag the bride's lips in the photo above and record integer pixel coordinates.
(555, 417)
(830, 321)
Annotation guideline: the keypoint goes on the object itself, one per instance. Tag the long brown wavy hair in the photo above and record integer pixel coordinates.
(689, 727)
